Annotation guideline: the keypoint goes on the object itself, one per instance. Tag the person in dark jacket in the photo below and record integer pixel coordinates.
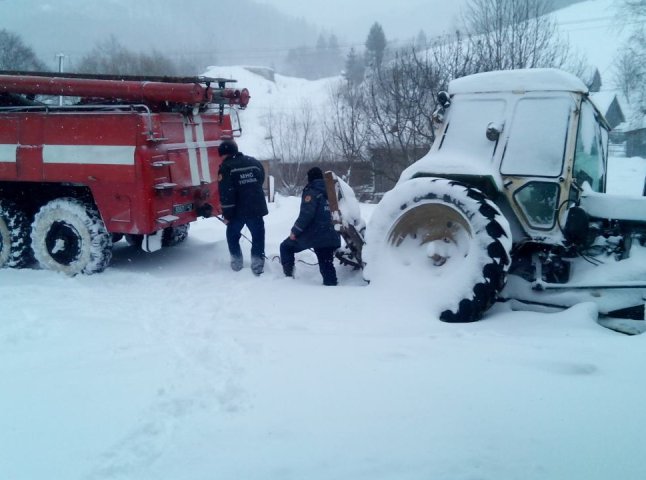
(313, 229)
(243, 203)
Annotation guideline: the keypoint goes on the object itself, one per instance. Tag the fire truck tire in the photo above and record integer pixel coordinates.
(69, 236)
(15, 244)
(134, 240)
(172, 236)
(438, 224)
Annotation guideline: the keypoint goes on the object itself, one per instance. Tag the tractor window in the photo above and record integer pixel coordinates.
(538, 202)
(536, 144)
(589, 155)
(465, 132)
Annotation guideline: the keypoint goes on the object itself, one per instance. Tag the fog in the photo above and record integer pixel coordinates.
(351, 19)
(229, 32)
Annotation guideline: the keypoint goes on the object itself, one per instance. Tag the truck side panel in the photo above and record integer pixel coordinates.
(145, 171)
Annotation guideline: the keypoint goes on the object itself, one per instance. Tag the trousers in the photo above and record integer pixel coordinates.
(256, 226)
(325, 256)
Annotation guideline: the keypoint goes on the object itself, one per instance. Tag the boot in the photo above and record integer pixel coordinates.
(257, 265)
(288, 270)
(236, 263)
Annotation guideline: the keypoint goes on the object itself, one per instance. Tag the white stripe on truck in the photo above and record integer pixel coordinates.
(192, 154)
(204, 154)
(8, 153)
(90, 154)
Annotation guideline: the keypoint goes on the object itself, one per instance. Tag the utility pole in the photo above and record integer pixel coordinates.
(60, 57)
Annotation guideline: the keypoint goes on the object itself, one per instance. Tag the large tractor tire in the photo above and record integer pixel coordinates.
(448, 231)
(15, 244)
(69, 236)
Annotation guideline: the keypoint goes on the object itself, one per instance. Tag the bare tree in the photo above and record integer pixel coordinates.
(295, 140)
(512, 34)
(398, 103)
(631, 62)
(633, 7)
(453, 56)
(385, 122)
(110, 56)
(15, 55)
(347, 127)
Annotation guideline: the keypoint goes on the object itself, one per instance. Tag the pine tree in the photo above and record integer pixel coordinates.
(334, 57)
(375, 46)
(421, 41)
(354, 68)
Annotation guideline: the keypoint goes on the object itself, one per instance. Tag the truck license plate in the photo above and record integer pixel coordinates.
(186, 207)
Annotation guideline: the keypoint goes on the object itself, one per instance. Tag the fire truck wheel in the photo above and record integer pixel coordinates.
(15, 244)
(174, 235)
(69, 236)
(447, 231)
(134, 240)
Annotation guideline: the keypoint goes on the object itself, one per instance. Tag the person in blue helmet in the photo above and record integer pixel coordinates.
(243, 202)
(313, 229)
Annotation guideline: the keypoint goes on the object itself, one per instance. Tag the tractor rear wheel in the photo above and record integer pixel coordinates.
(69, 236)
(452, 233)
(15, 245)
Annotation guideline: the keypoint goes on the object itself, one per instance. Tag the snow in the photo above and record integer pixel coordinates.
(594, 30)
(544, 79)
(271, 99)
(171, 366)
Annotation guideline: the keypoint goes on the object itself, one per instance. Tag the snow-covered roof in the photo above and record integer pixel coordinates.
(603, 100)
(540, 79)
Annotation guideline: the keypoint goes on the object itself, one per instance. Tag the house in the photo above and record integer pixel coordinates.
(636, 138)
(610, 105)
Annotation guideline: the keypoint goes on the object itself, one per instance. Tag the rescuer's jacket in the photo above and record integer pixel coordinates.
(313, 227)
(240, 181)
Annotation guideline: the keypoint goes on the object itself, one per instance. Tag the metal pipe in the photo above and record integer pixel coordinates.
(138, 91)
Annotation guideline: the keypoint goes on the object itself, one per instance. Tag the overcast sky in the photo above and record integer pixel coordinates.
(350, 20)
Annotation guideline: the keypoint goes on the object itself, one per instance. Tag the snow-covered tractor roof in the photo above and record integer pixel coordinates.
(534, 79)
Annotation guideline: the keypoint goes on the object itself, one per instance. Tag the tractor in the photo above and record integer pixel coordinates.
(510, 202)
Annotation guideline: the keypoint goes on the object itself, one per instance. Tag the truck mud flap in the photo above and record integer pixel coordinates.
(152, 242)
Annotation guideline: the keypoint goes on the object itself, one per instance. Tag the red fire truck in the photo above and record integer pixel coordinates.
(127, 156)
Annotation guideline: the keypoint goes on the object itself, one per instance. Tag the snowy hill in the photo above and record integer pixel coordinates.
(280, 95)
(593, 29)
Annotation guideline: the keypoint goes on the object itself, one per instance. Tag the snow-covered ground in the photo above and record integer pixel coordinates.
(171, 366)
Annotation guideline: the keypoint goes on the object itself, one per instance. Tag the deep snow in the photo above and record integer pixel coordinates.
(171, 366)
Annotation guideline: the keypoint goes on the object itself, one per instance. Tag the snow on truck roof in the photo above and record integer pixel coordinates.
(533, 79)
